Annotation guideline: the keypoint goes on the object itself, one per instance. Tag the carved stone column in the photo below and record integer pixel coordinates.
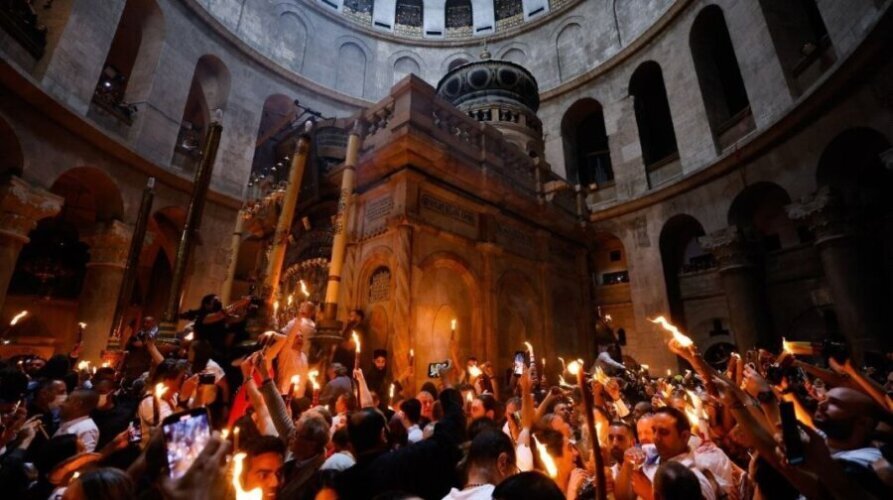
(858, 309)
(403, 298)
(743, 285)
(21, 207)
(109, 246)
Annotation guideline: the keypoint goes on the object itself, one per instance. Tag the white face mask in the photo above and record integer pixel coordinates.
(56, 403)
(103, 400)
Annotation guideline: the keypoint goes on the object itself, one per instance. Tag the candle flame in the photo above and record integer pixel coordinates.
(304, 289)
(561, 380)
(236, 432)
(691, 414)
(241, 494)
(669, 372)
(356, 339)
(312, 375)
(469, 397)
(644, 367)
(189, 336)
(83, 365)
(529, 348)
(601, 432)
(275, 307)
(600, 375)
(105, 364)
(391, 392)
(295, 379)
(160, 389)
(453, 324)
(563, 364)
(224, 434)
(545, 458)
(574, 367)
(474, 372)
(82, 325)
(17, 318)
(290, 299)
(678, 336)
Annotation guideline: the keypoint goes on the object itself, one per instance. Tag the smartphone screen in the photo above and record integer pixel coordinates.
(136, 431)
(185, 436)
(519, 363)
(791, 434)
(434, 368)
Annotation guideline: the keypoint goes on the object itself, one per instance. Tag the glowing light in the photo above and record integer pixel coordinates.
(563, 364)
(796, 348)
(105, 364)
(160, 389)
(600, 375)
(453, 324)
(290, 299)
(469, 396)
(601, 432)
(391, 392)
(295, 381)
(83, 366)
(574, 367)
(474, 372)
(82, 325)
(678, 336)
(304, 289)
(356, 339)
(645, 367)
(545, 458)
(561, 380)
(18, 317)
(224, 434)
(189, 336)
(241, 494)
(692, 415)
(312, 375)
(529, 348)
(669, 372)
(799, 412)
(275, 308)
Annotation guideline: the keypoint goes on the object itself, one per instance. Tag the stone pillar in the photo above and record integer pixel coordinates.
(743, 285)
(21, 207)
(109, 245)
(858, 309)
(403, 299)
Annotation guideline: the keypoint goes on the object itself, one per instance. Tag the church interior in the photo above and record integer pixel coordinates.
(478, 172)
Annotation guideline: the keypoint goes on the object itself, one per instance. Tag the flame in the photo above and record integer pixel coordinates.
(669, 372)
(312, 374)
(17, 318)
(290, 299)
(786, 346)
(601, 432)
(160, 389)
(275, 307)
(575, 367)
(799, 412)
(561, 380)
(469, 397)
(474, 372)
(678, 336)
(295, 380)
(356, 339)
(453, 324)
(545, 458)
(304, 289)
(391, 392)
(695, 399)
(608, 318)
(224, 434)
(241, 494)
(83, 365)
(563, 364)
(600, 375)
(529, 348)
(82, 325)
(411, 353)
(796, 348)
(189, 336)
(692, 415)
(105, 364)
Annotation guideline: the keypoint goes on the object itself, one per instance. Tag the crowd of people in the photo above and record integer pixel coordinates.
(285, 428)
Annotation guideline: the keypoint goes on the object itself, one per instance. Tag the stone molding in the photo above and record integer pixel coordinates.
(824, 213)
(109, 244)
(22, 206)
(729, 248)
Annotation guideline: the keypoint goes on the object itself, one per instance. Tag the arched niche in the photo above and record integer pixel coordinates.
(652, 109)
(570, 51)
(681, 253)
(53, 263)
(404, 66)
(587, 156)
(350, 70)
(208, 95)
(291, 40)
(851, 164)
(91, 196)
(759, 211)
(801, 41)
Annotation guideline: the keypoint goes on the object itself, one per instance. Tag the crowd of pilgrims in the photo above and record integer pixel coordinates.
(355, 432)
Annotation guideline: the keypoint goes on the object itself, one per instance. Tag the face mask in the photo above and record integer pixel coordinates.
(57, 402)
(103, 400)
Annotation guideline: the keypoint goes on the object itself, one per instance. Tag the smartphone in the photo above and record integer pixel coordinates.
(185, 436)
(520, 361)
(791, 434)
(206, 379)
(434, 368)
(136, 431)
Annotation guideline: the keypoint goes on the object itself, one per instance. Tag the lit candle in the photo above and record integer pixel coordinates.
(529, 350)
(312, 374)
(304, 289)
(236, 438)
(411, 357)
(241, 494)
(189, 336)
(18, 317)
(83, 366)
(545, 458)
(678, 336)
(106, 364)
(224, 434)
(356, 343)
(474, 372)
(159, 391)
(669, 372)
(82, 325)
(293, 387)
(563, 364)
(453, 329)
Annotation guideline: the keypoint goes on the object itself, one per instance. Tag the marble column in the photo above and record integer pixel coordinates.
(21, 207)
(742, 283)
(857, 307)
(403, 299)
(109, 244)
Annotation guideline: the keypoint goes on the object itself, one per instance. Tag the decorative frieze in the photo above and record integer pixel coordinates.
(447, 209)
(728, 247)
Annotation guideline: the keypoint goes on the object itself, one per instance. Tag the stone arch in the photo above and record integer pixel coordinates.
(514, 52)
(519, 315)
(587, 156)
(681, 252)
(759, 212)
(132, 60)
(91, 195)
(12, 160)
(378, 257)
(208, 95)
(454, 61)
(652, 108)
(403, 66)
(277, 115)
(350, 70)
(570, 50)
(291, 39)
(722, 87)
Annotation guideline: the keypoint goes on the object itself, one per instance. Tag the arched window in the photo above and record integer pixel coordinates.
(404, 66)
(681, 253)
(587, 158)
(505, 9)
(131, 61)
(409, 13)
(722, 88)
(458, 14)
(801, 41)
(208, 93)
(656, 135)
(350, 73)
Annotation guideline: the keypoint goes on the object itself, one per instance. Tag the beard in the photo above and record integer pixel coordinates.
(836, 429)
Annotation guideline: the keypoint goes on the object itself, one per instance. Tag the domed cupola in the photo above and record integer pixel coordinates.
(500, 93)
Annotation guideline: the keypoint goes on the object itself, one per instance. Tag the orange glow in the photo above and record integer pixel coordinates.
(160, 389)
(241, 494)
(678, 336)
(83, 366)
(17, 318)
(356, 339)
(474, 372)
(453, 324)
(304, 289)
(545, 458)
(312, 375)
(575, 367)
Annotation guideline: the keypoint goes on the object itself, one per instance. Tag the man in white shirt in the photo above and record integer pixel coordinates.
(491, 458)
(410, 414)
(75, 415)
(290, 351)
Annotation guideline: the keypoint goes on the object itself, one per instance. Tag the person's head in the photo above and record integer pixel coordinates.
(104, 388)
(412, 411)
(487, 368)
(427, 401)
(641, 408)
(340, 440)
(107, 483)
(526, 485)
(148, 323)
(848, 417)
(556, 422)
(356, 316)
(512, 405)
(337, 370)
(34, 365)
(492, 456)
(644, 432)
(79, 404)
(307, 310)
(483, 405)
(560, 448)
(171, 372)
(263, 460)
(366, 430)
(563, 409)
(345, 403)
(620, 439)
(57, 367)
(310, 437)
(50, 395)
(211, 303)
(380, 359)
(671, 432)
(674, 481)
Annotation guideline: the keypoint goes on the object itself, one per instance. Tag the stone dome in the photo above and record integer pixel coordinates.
(490, 81)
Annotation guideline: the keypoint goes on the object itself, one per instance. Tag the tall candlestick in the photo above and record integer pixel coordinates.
(577, 369)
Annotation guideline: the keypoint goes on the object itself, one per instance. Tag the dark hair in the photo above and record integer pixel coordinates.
(771, 482)
(364, 430)
(360, 313)
(13, 384)
(531, 484)
(87, 399)
(104, 373)
(430, 388)
(397, 434)
(621, 423)
(169, 369)
(312, 427)
(56, 367)
(488, 401)
(264, 444)
(682, 423)
(487, 445)
(55, 451)
(340, 439)
(379, 353)
(479, 425)
(674, 481)
(552, 440)
(201, 354)
(412, 408)
(107, 483)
